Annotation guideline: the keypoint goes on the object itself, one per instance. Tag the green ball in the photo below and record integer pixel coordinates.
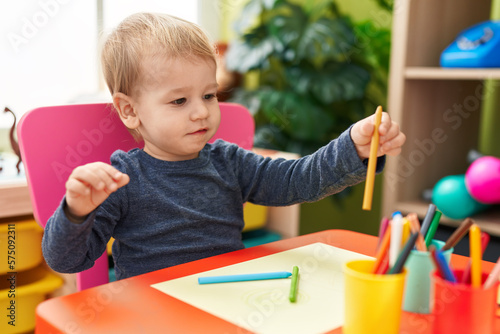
(451, 197)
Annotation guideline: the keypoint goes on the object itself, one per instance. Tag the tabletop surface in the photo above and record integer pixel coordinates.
(132, 306)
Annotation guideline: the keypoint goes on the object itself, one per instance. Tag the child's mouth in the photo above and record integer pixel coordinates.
(199, 132)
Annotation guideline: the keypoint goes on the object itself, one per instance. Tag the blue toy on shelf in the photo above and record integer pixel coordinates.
(477, 46)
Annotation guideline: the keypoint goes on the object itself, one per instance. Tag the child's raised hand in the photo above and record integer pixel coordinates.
(89, 185)
(391, 138)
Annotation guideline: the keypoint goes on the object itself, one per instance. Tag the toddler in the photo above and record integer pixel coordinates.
(180, 199)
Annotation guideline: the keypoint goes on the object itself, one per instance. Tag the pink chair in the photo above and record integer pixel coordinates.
(55, 140)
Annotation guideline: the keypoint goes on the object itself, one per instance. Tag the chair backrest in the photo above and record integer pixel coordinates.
(55, 140)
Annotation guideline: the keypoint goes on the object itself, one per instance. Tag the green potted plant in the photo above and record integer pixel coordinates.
(318, 72)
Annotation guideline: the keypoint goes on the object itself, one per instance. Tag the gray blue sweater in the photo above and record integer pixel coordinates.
(175, 212)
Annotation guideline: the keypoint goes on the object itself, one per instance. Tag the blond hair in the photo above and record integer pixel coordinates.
(144, 35)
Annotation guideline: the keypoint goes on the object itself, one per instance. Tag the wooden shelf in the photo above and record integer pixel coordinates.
(439, 109)
(439, 73)
(14, 193)
(15, 199)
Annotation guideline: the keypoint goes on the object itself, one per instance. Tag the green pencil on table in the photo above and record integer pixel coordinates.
(294, 284)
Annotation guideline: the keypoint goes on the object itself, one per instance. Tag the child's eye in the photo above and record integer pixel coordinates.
(210, 96)
(179, 102)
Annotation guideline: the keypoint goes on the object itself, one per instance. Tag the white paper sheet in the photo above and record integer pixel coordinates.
(263, 306)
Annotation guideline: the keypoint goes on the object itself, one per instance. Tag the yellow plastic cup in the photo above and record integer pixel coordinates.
(373, 303)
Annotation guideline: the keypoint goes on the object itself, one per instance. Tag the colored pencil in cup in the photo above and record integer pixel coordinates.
(384, 266)
(441, 265)
(403, 256)
(475, 255)
(381, 230)
(432, 228)
(485, 239)
(493, 276)
(427, 219)
(405, 234)
(432, 250)
(396, 237)
(382, 251)
(415, 228)
(459, 233)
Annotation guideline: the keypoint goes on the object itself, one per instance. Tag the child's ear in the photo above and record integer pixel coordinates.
(124, 104)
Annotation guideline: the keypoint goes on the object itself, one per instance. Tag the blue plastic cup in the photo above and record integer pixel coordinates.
(418, 280)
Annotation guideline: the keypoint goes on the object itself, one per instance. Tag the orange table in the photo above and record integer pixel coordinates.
(132, 306)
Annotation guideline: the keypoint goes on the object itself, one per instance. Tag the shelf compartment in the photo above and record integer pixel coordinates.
(435, 106)
(441, 118)
(433, 25)
(440, 73)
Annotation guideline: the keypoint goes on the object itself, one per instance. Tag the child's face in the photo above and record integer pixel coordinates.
(177, 107)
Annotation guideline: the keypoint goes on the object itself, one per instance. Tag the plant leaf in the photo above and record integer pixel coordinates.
(287, 23)
(324, 40)
(248, 15)
(318, 71)
(340, 82)
(244, 56)
(293, 114)
(335, 82)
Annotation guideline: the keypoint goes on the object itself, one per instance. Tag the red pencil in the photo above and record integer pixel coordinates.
(381, 232)
(382, 251)
(384, 266)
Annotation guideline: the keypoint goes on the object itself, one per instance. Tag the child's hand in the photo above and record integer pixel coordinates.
(391, 138)
(89, 185)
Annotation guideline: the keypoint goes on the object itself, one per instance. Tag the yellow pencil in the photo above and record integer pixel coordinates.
(372, 162)
(475, 255)
(406, 232)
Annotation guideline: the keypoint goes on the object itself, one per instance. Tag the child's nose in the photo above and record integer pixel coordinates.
(199, 112)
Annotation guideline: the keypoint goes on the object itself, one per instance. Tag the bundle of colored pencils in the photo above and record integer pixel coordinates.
(400, 235)
(472, 274)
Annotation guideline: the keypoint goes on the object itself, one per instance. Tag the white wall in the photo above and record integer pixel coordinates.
(48, 48)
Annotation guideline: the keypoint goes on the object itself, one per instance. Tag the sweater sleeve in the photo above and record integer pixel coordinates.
(279, 182)
(70, 247)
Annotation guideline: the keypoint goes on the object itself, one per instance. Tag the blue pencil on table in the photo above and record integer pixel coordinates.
(244, 277)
